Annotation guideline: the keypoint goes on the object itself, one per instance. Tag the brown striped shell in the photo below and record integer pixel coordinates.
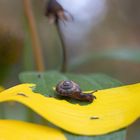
(71, 89)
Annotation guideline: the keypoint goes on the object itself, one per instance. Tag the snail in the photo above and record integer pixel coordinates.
(71, 89)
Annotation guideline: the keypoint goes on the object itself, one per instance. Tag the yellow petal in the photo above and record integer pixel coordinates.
(18, 130)
(113, 109)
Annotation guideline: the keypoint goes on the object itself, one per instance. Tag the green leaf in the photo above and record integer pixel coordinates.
(123, 54)
(46, 81)
(119, 135)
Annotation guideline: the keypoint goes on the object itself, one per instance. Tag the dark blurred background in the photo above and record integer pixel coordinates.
(103, 38)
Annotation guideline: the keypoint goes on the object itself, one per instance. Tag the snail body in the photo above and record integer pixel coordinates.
(71, 89)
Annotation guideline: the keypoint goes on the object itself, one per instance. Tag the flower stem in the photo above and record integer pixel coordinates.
(64, 54)
(36, 45)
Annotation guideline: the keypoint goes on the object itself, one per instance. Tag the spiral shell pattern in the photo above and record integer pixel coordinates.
(67, 88)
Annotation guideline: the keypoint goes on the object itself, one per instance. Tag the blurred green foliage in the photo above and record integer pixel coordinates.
(10, 52)
(123, 54)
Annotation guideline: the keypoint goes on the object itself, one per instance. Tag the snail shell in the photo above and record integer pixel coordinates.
(67, 88)
(71, 89)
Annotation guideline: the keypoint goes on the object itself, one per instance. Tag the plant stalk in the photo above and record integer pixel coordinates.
(36, 45)
(64, 53)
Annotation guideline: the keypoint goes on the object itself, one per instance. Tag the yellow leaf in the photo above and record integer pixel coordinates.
(113, 109)
(18, 130)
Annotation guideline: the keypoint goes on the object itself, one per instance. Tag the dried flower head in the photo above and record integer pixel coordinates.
(55, 12)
